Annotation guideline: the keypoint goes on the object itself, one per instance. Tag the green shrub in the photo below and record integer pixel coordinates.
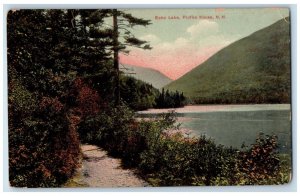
(174, 160)
(115, 130)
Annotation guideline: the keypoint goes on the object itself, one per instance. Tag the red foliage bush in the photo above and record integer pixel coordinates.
(43, 141)
(87, 100)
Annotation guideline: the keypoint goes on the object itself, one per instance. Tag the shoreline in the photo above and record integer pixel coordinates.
(219, 108)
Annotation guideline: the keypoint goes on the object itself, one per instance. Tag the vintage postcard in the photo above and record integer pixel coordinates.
(149, 97)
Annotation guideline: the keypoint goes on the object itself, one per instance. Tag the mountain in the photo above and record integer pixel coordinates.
(148, 75)
(255, 69)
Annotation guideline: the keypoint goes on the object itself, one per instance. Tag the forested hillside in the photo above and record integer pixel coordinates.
(255, 69)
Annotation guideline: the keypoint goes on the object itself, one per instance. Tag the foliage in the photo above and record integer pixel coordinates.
(260, 163)
(43, 142)
(176, 160)
(85, 101)
(43, 146)
(115, 130)
(137, 94)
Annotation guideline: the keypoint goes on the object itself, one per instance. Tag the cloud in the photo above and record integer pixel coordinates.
(181, 55)
(153, 39)
(203, 28)
(181, 41)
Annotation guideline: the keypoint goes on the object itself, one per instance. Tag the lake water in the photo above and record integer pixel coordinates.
(233, 125)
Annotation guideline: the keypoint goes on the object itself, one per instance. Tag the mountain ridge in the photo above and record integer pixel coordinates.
(246, 71)
(148, 75)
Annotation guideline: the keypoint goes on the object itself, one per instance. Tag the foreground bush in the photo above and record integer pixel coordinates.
(116, 130)
(260, 163)
(43, 143)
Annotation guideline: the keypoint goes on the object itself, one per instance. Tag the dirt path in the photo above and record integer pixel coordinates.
(100, 170)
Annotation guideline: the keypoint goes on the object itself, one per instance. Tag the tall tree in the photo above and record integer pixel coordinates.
(122, 22)
(98, 44)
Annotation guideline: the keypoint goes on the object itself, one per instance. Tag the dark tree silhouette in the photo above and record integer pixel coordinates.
(170, 99)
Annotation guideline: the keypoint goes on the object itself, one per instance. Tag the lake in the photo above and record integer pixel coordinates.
(233, 125)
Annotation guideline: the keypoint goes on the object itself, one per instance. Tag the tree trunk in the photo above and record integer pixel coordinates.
(116, 57)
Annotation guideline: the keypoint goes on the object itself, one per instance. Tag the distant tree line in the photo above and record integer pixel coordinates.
(167, 99)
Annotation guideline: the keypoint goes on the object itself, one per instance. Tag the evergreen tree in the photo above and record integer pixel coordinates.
(122, 22)
(170, 99)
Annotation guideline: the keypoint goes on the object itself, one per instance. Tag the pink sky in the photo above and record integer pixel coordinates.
(173, 63)
(179, 56)
(178, 48)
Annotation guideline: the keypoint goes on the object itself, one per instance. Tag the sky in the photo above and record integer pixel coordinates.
(182, 39)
